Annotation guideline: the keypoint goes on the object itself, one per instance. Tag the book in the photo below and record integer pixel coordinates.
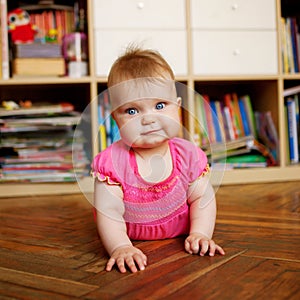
(284, 50)
(250, 114)
(219, 109)
(228, 124)
(292, 130)
(38, 66)
(243, 113)
(38, 108)
(201, 119)
(67, 119)
(228, 103)
(237, 114)
(291, 91)
(5, 70)
(216, 123)
(209, 119)
(248, 160)
(33, 50)
(294, 29)
(267, 132)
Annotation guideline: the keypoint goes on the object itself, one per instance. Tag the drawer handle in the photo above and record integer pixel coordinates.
(140, 5)
(236, 52)
(234, 6)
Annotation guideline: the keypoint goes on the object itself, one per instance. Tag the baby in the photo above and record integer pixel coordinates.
(150, 184)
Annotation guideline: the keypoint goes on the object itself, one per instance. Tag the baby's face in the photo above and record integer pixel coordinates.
(146, 111)
(148, 122)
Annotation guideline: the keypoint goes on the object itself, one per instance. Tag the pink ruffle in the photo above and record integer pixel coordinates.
(104, 178)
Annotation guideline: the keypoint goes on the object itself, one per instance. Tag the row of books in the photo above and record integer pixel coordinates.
(40, 144)
(246, 135)
(292, 123)
(60, 20)
(290, 45)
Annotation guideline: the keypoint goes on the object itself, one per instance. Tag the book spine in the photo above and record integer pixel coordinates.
(216, 124)
(244, 118)
(289, 46)
(219, 110)
(284, 49)
(250, 114)
(208, 114)
(228, 103)
(229, 125)
(237, 114)
(4, 40)
(102, 129)
(294, 43)
(292, 131)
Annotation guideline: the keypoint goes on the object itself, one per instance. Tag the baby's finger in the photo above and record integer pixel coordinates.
(204, 247)
(187, 247)
(195, 246)
(212, 248)
(140, 261)
(131, 264)
(121, 265)
(220, 250)
(110, 264)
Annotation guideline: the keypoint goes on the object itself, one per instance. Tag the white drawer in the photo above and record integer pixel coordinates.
(142, 14)
(233, 14)
(109, 44)
(234, 52)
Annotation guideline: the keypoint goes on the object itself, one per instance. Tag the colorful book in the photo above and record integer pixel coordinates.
(219, 109)
(292, 130)
(246, 125)
(216, 123)
(250, 114)
(229, 104)
(209, 119)
(237, 115)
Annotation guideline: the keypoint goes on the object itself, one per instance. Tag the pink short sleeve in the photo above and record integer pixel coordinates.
(103, 169)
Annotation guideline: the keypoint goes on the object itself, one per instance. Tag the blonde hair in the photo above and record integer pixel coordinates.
(139, 63)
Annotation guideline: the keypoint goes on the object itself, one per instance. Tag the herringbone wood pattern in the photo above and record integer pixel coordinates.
(49, 249)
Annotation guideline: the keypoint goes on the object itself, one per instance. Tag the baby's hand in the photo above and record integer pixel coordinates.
(127, 255)
(197, 243)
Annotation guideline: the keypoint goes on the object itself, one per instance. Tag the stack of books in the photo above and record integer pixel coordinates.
(38, 59)
(231, 132)
(27, 154)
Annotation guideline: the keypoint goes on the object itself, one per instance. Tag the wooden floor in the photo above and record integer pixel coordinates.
(49, 249)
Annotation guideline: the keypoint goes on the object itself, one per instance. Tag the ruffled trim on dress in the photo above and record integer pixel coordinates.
(205, 171)
(104, 178)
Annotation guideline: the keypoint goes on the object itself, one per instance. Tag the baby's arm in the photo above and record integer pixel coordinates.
(112, 229)
(202, 219)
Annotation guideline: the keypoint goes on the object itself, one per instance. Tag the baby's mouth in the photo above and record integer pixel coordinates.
(152, 131)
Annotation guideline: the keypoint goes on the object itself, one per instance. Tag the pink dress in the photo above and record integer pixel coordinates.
(153, 210)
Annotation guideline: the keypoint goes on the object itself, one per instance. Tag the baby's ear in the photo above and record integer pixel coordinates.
(179, 100)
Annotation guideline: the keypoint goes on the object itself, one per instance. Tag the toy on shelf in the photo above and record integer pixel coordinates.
(20, 27)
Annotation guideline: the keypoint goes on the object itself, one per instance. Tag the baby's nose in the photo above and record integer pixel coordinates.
(148, 119)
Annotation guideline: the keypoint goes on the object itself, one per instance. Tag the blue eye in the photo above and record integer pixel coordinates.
(160, 105)
(131, 111)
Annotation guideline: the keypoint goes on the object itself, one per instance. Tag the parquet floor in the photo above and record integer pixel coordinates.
(49, 249)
